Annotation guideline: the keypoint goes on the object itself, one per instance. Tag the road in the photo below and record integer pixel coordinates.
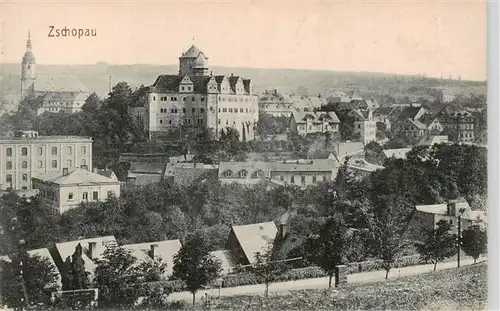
(322, 283)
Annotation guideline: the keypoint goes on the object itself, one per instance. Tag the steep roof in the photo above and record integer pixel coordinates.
(59, 83)
(255, 238)
(227, 261)
(409, 113)
(399, 153)
(167, 83)
(77, 176)
(275, 97)
(164, 250)
(301, 116)
(192, 52)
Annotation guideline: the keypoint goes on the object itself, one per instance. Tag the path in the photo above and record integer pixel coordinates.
(320, 283)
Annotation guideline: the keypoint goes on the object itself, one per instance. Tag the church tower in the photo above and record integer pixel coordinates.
(28, 71)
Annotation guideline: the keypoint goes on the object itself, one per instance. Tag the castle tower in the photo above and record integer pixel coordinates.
(193, 62)
(28, 71)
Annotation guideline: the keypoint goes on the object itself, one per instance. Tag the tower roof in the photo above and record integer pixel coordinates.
(192, 52)
(28, 56)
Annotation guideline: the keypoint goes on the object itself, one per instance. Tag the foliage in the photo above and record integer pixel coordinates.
(374, 153)
(438, 243)
(269, 265)
(39, 277)
(437, 291)
(195, 265)
(269, 126)
(117, 276)
(474, 241)
(155, 296)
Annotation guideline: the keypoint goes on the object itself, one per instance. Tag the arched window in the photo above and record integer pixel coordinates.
(84, 150)
(69, 163)
(54, 163)
(9, 165)
(258, 174)
(228, 173)
(8, 178)
(70, 150)
(25, 177)
(39, 151)
(54, 150)
(24, 151)
(24, 164)
(9, 152)
(243, 174)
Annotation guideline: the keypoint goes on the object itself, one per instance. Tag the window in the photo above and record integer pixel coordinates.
(84, 150)
(161, 121)
(258, 174)
(110, 194)
(314, 179)
(54, 150)
(282, 178)
(193, 110)
(184, 110)
(39, 150)
(292, 179)
(228, 173)
(24, 177)
(69, 163)
(303, 179)
(69, 150)
(24, 188)
(8, 178)
(183, 88)
(325, 178)
(85, 196)
(230, 109)
(24, 151)
(9, 165)
(9, 152)
(203, 99)
(54, 163)
(169, 121)
(224, 109)
(241, 110)
(40, 164)
(70, 196)
(184, 99)
(243, 174)
(24, 164)
(218, 121)
(95, 195)
(193, 99)
(202, 110)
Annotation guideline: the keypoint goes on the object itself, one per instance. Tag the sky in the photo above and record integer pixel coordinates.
(403, 37)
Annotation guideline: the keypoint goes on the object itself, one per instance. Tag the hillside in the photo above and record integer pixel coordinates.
(96, 78)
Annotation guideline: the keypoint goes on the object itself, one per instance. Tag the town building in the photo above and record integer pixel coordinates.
(71, 188)
(457, 123)
(305, 103)
(246, 241)
(362, 167)
(445, 96)
(64, 93)
(195, 98)
(410, 122)
(399, 153)
(364, 125)
(27, 155)
(294, 172)
(276, 104)
(303, 123)
(337, 97)
(159, 250)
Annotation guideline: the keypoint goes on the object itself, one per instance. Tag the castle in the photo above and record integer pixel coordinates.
(64, 93)
(194, 97)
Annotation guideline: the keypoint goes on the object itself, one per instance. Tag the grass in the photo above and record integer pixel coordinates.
(454, 289)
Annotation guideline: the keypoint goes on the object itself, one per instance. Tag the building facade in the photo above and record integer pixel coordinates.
(276, 104)
(195, 98)
(457, 123)
(364, 125)
(303, 123)
(28, 155)
(71, 188)
(64, 93)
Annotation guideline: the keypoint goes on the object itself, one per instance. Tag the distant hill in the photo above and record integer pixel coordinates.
(96, 78)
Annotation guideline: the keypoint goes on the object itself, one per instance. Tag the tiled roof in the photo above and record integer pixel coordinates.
(249, 166)
(147, 167)
(77, 176)
(66, 249)
(164, 250)
(409, 113)
(167, 83)
(255, 238)
(315, 165)
(432, 140)
(192, 52)
(339, 94)
(439, 209)
(59, 83)
(301, 117)
(399, 153)
(418, 124)
(170, 83)
(226, 259)
(232, 82)
(361, 164)
(200, 83)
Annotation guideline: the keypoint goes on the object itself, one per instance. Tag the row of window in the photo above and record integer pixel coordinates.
(8, 178)
(174, 98)
(193, 98)
(303, 179)
(184, 110)
(24, 164)
(235, 110)
(186, 122)
(39, 151)
(260, 174)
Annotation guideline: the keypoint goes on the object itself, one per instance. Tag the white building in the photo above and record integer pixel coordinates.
(365, 125)
(304, 123)
(71, 188)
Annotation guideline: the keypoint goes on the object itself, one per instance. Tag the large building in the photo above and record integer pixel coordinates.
(457, 123)
(64, 93)
(303, 123)
(195, 98)
(27, 155)
(364, 125)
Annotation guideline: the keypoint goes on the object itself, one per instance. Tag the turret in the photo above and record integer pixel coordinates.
(28, 71)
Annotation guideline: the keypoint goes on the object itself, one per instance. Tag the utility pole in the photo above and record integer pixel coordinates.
(459, 239)
(109, 87)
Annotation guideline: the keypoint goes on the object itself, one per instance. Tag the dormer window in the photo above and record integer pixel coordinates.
(228, 173)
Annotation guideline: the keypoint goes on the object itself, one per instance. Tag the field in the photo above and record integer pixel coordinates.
(463, 289)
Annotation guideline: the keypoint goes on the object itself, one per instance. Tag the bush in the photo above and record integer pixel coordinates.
(239, 279)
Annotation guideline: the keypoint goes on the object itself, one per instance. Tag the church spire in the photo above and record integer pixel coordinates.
(28, 43)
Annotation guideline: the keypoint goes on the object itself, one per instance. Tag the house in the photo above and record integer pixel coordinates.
(276, 104)
(226, 259)
(295, 172)
(163, 250)
(92, 249)
(445, 96)
(362, 167)
(410, 122)
(303, 123)
(246, 241)
(187, 173)
(145, 173)
(302, 103)
(364, 125)
(106, 173)
(458, 123)
(71, 188)
(427, 216)
(399, 153)
(337, 97)
(433, 140)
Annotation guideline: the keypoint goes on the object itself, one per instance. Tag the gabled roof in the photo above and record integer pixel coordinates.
(255, 238)
(399, 153)
(164, 250)
(226, 259)
(432, 140)
(417, 124)
(59, 83)
(275, 97)
(232, 82)
(167, 83)
(77, 176)
(409, 113)
(319, 117)
(146, 167)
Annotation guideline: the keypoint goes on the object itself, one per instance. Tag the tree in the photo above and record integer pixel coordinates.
(76, 277)
(92, 103)
(39, 278)
(438, 243)
(269, 265)
(118, 276)
(195, 265)
(474, 241)
(329, 248)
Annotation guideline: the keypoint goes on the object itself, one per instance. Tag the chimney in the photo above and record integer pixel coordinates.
(65, 171)
(92, 246)
(152, 251)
